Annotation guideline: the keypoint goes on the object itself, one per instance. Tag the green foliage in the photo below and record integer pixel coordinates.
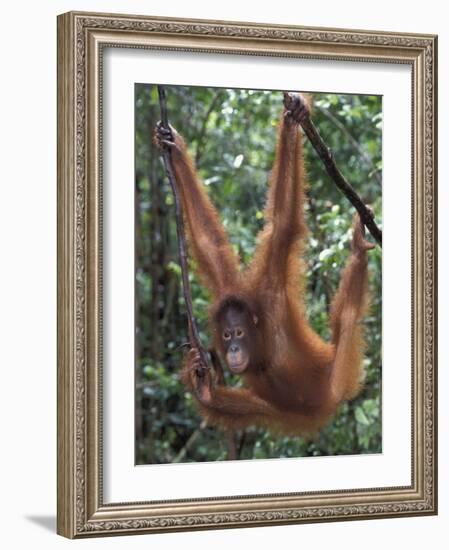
(231, 135)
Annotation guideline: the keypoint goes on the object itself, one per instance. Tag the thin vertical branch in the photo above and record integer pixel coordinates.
(194, 336)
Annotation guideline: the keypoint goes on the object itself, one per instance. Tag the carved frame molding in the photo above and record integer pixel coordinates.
(81, 37)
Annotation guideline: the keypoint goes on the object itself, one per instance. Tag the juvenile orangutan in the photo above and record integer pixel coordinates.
(293, 380)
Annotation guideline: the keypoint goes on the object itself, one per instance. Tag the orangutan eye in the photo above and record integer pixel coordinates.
(239, 333)
(226, 335)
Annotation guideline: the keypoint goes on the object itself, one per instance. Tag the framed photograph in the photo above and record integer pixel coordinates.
(246, 274)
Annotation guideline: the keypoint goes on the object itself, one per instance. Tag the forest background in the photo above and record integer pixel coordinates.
(231, 136)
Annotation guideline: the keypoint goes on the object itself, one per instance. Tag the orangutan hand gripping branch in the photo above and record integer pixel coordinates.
(294, 381)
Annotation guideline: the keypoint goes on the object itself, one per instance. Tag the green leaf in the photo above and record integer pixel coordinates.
(361, 417)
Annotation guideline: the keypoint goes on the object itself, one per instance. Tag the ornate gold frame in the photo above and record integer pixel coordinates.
(81, 36)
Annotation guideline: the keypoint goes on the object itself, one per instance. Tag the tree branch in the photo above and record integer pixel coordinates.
(194, 336)
(340, 181)
(355, 143)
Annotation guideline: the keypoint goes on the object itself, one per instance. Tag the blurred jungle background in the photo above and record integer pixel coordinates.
(231, 135)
